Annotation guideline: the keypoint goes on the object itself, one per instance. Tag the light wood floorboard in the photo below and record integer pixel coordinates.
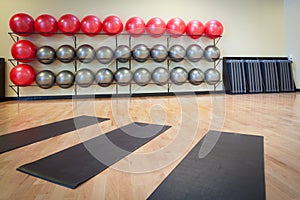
(274, 116)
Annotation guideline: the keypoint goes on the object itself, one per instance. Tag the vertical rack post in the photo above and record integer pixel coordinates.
(15, 88)
(117, 65)
(216, 63)
(168, 62)
(129, 64)
(75, 62)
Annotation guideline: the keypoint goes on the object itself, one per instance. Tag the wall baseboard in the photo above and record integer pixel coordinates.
(30, 98)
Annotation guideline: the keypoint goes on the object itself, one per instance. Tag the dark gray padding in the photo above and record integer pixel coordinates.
(77, 164)
(285, 74)
(25, 137)
(234, 169)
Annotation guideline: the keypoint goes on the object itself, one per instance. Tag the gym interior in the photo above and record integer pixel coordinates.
(150, 99)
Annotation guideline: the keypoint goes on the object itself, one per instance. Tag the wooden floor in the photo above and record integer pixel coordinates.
(274, 116)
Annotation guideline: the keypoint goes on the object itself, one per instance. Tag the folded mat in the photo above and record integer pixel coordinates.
(28, 136)
(77, 164)
(233, 169)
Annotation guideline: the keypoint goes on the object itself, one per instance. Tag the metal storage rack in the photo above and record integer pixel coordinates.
(17, 89)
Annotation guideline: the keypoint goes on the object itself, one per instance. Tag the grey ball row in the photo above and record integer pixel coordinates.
(105, 77)
(141, 53)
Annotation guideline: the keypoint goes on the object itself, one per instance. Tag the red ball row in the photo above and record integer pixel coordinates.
(23, 24)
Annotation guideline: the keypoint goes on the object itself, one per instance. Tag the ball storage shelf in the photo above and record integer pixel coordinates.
(132, 87)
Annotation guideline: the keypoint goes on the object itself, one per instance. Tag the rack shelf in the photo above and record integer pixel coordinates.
(167, 63)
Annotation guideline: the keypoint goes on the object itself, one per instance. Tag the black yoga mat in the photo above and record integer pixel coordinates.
(77, 164)
(233, 169)
(28, 136)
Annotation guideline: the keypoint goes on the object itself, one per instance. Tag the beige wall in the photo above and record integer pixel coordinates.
(252, 28)
(292, 33)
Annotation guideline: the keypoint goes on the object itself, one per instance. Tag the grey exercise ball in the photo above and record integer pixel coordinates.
(45, 54)
(104, 55)
(84, 77)
(123, 53)
(178, 75)
(142, 76)
(212, 53)
(65, 79)
(104, 77)
(45, 79)
(85, 53)
(159, 53)
(160, 76)
(123, 76)
(212, 76)
(194, 53)
(177, 53)
(196, 76)
(65, 53)
(140, 53)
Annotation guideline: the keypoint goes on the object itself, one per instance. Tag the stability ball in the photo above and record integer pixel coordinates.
(194, 52)
(123, 76)
(135, 26)
(142, 76)
(104, 55)
(46, 25)
(177, 53)
(45, 54)
(91, 25)
(159, 53)
(160, 76)
(104, 77)
(140, 53)
(156, 27)
(84, 77)
(65, 79)
(45, 79)
(22, 75)
(22, 24)
(65, 53)
(196, 76)
(212, 53)
(69, 24)
(123, 53)
(212, 76)
(176, 27)
(213, 29)
(194, 29)
(23, 51)
(112, 25)
(179, 75)
(85, 53)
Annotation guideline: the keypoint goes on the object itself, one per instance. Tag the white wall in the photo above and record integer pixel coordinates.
(292, 33)
(252, 28)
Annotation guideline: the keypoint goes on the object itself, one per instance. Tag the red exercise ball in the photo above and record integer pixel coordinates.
(156, 27)
(23, 51)
(91, 25)
(68, 24)
(213, 29)
(195, 29)
(176, 27)
(22, 24)
(46, 25)
(135, 26)
(22, 75)
(112, 25)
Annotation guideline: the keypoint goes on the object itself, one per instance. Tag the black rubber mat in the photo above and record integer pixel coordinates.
(233, 169)
(25, 137)
(77, 164)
